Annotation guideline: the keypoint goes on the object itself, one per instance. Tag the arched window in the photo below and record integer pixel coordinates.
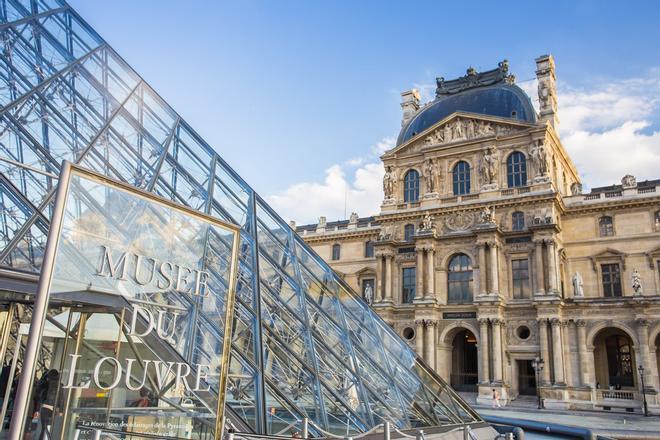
(516, 169)
(459, 279)
(411, 186)
(408, 232)
(336, 252)
(369, 249)
(461, 177)
(518, 221)
(606, 226)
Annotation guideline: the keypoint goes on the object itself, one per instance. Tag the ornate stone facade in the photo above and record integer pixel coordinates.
(484, 277)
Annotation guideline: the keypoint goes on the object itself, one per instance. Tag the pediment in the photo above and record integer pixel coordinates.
(611, 254)
(461, 127)
(365, 271)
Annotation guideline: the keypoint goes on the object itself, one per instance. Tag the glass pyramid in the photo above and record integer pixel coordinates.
(304, 344)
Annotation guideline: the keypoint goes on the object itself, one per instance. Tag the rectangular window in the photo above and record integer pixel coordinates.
(336, 252)
(611, 279)
(520, 277)
(369, 249)
(408, 284)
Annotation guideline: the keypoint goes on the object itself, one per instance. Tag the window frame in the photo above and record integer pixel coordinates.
(409, 237)
(461, 178)
(369, 249)
(609, 228)
(517, 221)
(516, 170)
(336, 252)
(408, 292)
(462, 280)
(520, 292)
(611, 291)
(411, 186)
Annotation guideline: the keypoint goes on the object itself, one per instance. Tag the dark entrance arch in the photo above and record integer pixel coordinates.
(614, 359)
(464, 373)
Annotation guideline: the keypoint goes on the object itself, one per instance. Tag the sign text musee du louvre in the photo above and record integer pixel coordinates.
(161, 275)
(136, 295)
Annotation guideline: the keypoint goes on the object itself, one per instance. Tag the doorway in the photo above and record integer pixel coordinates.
(526, 378)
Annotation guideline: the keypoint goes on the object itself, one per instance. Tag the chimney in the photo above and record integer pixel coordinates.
(547, 88)
(410, 104)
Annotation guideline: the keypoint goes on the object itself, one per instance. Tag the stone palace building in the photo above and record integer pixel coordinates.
(487, 256)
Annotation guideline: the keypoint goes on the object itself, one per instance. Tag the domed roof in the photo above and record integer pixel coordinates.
(500, 98)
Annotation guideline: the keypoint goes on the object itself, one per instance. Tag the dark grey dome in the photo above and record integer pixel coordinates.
(503, 100)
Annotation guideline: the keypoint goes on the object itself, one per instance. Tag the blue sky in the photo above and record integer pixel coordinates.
(301, 96)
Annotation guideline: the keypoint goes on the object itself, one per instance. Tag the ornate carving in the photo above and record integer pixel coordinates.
(387, 232)
(546, 91)
(430, 323)
(427, 224)
(459, 221)
(460, 129)
(430, 176)
(576, 188)
(539, 157)
(389, 183)
(555, 322)
(488, 168)
(487, 215)
(578, 290)
(581, 323)
(474, 79)
(628, 181)
(369, 294)
(636, 282)
(322, 223)
(354, 218)
(498, 321)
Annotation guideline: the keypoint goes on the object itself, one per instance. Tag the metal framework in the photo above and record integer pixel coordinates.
(304, 345)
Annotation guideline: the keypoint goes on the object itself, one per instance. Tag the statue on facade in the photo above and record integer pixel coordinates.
(628, 181)
(539, 158)
(578, 290)
(636, 280)
(458, 129)
(430, 175)
(447, 135)
(488, 166)
(369, 294)
(546, 92)
(576, 189)
(427, 223)
(487, 215)
(469, 129)
(389, 183)
(354, 218)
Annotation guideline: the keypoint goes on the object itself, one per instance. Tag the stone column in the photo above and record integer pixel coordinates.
(429, 356)
(483, 351)
(538, 267)
(566, 347)
(494, 269)
(545, 351)
(483, 287)
(389, 278)
(552, 267)
(419, 337)
(419, 274)
(430, 273)
(380, 279)
(583, 355)
(497, 350)
(557, 358)
(650, 382)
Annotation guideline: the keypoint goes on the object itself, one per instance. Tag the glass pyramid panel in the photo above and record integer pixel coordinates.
(304, 344)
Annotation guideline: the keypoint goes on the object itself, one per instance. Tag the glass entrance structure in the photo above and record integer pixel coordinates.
(303, 346)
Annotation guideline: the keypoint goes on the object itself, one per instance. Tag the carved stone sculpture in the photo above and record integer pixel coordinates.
(576, 188)
(628, 181)
(459, 221)
(427, 224)
(389, 183)
(353, 218)
(636, 281)
(487, 215)
(430, 175)
(369, 294)
(488, 167)
(578, 290)
(539, 158)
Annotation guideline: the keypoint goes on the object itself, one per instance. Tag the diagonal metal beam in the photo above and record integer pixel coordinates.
(33, 17)
(47, 82)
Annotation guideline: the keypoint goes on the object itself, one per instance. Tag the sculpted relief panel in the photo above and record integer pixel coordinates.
(462, 129)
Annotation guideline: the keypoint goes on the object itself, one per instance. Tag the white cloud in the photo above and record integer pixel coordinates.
(607, 130)
(304, 202)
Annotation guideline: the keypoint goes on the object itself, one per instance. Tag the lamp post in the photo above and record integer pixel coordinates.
(641, 376)
(538, 364)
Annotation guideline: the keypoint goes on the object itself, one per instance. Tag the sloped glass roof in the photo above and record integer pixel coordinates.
(304, 344)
